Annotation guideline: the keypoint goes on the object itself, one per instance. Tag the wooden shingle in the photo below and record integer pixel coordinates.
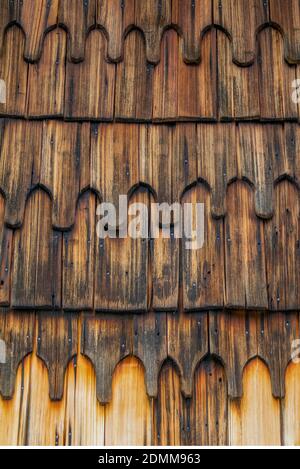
(87, 98)
(116, 18)
(57, 338)
(152, 17)
(241, 20)
(46, 80)
(16, 331)
(245, 268)
(79, 257)
(14, 73)
(36, 266)
(78, 17)
(65, 157)
(134, 76)
(20, 144)
(192, 17)
(285, 15)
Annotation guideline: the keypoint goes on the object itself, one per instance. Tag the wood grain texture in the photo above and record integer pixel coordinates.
(129, 404)
(150, 346)
(78, 17)
(117, 18)
(220, 168)
(11, 409)
(16, 331)
(114, 161)
(90, 85)
(291, 407)
(36, 266)
(187, 345)
(265, 145)
(56, 345)
(255, 419)
(233, 340)
(8, 16)
(78, 257)
(203, 280)
(180, 165)
(276, 75)
(289, 163)
(276, 333)
(157, 161)
(19, 166)
(106, 340)
(6, 237)
(88, 424)
(134, 81)
(241, 20)
(192, 19)
(152, 17)
(244, 251)
(66, 153)
(36, 19)
(282, 234)
(46, 80)
(44, 419)
(165, 261)
(165, 79)
(169, 409)
(120, 284)
(197, 85)
(208, 409)
(238, 87)
(287, 18)
(14, 71)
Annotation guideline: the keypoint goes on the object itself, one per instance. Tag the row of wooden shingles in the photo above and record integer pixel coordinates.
(240, 20)
(246, 261)
(232, 337)
(136, 90)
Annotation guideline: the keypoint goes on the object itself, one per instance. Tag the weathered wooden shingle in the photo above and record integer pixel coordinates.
(187, 345)
(152, 17)
(134, 77)
(36, 266)
(203, 256)
(285, 15)
(78, 17)
(238, 87)
(46, 80)
(245, 259)
(192, 17)
(16, 333)
(90, 85)
(6, 237)
(57, 343)
(282, 240)
(14, 73)
(219, 168)
(20, 144)
(150, 346)
(276, 75)
(117, 18)
(65, 158)
(106, 340)
(114, 161)
(36, 19)
(79, 257)
(121, 270)
(233, 339)
(241, 20)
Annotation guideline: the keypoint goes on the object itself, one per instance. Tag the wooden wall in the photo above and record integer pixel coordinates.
(209, 416)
